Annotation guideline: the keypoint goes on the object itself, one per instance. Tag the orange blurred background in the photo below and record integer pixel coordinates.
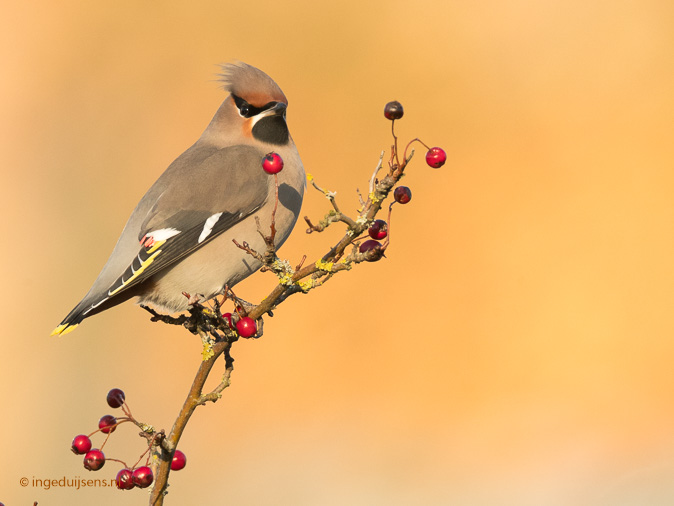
(515, 348)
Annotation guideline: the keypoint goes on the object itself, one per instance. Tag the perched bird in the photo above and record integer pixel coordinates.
(179, 237)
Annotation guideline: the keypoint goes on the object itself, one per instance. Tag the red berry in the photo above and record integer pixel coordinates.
(228, 318)
(436, 157)
(94, 460)
(124, 480)
(272, 163)
(378, 229)
(179, 461)
(393, 110)
(115, 398)
(370, 245)
(246, 327)
(402, 194)
(81, 444)
(107, 424)
(143, 477)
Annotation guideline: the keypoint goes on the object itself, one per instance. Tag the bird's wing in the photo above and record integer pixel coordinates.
(223, 190)
(197, 202)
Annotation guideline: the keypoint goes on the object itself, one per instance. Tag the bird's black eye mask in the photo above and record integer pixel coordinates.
(248, 111)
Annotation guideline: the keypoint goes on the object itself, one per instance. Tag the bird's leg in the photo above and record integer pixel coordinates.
(194, 299)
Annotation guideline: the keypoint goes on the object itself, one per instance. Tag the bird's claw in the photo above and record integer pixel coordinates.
(193, 299)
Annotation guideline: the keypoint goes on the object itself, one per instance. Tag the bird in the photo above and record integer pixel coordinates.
(179, 238)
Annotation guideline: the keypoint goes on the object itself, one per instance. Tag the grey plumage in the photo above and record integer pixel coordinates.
(179, 237)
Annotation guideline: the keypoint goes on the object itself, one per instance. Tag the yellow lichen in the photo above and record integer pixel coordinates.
(285, 279)
(305, 285)
(207, 352)
(324, 266)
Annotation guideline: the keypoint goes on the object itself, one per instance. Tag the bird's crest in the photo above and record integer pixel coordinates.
(251, 84)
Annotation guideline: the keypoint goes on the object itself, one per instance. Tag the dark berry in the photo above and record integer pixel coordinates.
(107, 424)
(402, 194)
(246, 327)
(115, 398)
(370, 245)
(124, 480)
(94, 460)
(272, 163)
(436, 157)
(179, 461)
(378, 229)
(81, 444)
(393, 110)
(143, 477)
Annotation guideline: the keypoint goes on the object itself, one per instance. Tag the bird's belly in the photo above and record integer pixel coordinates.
(217, 264)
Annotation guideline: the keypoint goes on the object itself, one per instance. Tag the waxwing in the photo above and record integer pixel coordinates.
(179, 237)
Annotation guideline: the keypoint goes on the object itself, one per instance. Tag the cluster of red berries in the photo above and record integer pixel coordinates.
(94, 459)
(435, 157)
(377, 231)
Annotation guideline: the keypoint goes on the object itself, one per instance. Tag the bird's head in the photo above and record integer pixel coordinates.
(255, 109)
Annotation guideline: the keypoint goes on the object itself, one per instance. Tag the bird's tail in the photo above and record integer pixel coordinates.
(70, 322)
(92, 304)
(64, 328)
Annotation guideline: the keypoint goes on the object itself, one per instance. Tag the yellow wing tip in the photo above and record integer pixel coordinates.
(63, 329)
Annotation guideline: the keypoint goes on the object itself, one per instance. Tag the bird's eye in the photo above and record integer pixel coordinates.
(244, 107)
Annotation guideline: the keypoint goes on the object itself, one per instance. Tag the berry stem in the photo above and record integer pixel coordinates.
(146, 452)
(108, 459)
(112, 427)
(409, 143)
(388, 227)
(395, 142)
(273, 214)
(107, 436)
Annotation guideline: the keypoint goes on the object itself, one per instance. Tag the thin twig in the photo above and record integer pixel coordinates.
(376, 171)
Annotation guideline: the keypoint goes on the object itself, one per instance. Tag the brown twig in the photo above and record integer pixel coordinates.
(163, 453)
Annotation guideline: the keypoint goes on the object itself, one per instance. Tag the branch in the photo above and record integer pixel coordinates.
(163, 453)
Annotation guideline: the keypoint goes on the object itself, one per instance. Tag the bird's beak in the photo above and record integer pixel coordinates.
(279, 109)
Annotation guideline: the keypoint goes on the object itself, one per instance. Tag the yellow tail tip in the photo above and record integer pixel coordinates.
(62, 329)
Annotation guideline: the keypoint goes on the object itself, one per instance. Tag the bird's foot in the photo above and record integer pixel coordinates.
(194, 299)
